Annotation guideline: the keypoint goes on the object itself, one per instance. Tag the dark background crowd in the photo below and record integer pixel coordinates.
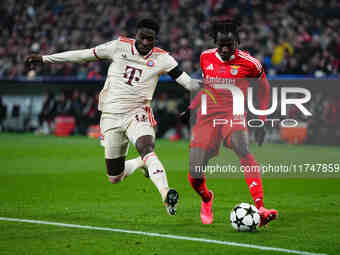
(289, 37)
(81, 105)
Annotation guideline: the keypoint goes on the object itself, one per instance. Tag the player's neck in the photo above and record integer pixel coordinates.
(232, 57)
(147, 54)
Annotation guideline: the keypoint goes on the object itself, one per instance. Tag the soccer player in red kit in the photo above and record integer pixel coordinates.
(225, 66)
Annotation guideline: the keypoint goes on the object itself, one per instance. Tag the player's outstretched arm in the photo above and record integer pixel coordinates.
(74, 56)
(194, 105)
(263, 97)
(184, 116)
(99, 52)
(263, 94)
(184, 79)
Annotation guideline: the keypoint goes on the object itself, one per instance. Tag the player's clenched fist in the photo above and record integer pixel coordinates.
(33, 60)
(184, 116)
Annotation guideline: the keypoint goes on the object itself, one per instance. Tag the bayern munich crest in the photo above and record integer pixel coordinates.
(150, 63)
(234, 70)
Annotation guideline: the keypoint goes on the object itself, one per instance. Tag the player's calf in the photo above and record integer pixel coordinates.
(157, 173)
(115, 169)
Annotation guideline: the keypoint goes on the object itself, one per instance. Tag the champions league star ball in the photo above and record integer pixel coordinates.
(245, 217)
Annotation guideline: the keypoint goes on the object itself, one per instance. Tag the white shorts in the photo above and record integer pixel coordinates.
(119, 129)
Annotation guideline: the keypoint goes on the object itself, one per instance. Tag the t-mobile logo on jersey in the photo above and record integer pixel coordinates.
(132, 74)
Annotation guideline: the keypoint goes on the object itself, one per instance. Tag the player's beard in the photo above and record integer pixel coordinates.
(143, 50)
(226, 56)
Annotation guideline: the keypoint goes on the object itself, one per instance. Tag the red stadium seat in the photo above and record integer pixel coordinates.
(94, 131)
(64, 125)
(294, 135)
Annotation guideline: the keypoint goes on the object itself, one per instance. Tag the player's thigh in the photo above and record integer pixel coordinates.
(228, 131)
(140, 129)
(239, 142)
(115, 142)
(204, 135)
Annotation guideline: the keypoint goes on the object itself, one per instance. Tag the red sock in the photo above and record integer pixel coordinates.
(200, 186)
(253, 178)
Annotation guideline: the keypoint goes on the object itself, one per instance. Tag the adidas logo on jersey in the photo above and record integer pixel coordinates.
(210, 67)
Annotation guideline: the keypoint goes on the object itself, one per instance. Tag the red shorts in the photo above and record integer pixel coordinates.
(210, 132)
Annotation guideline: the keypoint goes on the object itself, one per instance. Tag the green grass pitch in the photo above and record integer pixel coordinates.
(64, 180)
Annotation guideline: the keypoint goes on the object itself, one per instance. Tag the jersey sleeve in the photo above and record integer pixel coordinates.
(73, 56)
(168, 63)
(105, 50)
(263, 93)
(257, 70)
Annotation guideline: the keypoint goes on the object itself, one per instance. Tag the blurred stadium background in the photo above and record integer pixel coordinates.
(63, 179)
(293, 40)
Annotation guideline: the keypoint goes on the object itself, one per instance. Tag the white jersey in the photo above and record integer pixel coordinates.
(131, 78)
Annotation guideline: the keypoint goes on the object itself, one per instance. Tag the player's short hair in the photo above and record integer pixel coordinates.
(148, 23)
(225, 27)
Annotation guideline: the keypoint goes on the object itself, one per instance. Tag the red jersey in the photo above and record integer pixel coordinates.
(236, 71)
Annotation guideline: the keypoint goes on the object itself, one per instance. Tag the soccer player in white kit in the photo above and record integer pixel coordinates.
(134, 71)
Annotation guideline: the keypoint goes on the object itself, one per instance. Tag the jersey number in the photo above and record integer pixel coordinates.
(132, 74)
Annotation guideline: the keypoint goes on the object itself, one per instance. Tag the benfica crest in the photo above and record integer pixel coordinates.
(234, 69)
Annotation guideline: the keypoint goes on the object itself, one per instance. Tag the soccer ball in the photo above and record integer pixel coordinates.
(245, 217)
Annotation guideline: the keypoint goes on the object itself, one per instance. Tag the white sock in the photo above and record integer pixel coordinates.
(132, 165)
(157, 173)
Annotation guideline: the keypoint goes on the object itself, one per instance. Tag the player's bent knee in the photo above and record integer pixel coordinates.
(241, 150)
(145, 149)
(244, 152)
(145, 145)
